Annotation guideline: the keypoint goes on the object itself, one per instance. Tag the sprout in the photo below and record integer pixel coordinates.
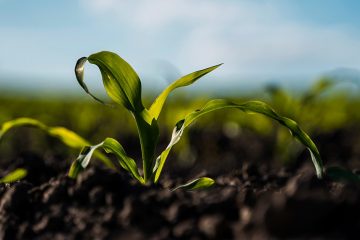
(123, 86)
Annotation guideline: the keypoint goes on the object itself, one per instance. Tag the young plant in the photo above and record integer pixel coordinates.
(123, 86)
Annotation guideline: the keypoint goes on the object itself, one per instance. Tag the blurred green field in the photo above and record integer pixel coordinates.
(322, 111)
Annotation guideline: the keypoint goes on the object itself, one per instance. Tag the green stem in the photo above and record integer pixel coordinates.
(148, 133)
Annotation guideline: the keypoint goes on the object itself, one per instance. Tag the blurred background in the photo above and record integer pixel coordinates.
(301, 57)
(259, 42)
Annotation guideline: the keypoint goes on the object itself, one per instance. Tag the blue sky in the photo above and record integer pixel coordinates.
(258, 41)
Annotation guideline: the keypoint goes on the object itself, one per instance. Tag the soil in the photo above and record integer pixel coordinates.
(256, 200)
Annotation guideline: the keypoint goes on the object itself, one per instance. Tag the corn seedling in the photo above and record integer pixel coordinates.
(123, 86)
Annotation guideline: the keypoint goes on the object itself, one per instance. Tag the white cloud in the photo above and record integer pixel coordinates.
(250, 37)
(253, 38)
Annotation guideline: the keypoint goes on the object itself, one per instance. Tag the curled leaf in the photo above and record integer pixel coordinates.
(79, 73)
(120, 80)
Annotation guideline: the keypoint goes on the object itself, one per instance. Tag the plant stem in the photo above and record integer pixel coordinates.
(148, 133)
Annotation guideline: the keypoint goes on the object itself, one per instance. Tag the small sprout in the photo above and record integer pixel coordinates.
(123, 86)
(14, 176)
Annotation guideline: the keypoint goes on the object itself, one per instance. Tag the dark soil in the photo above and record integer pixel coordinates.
(256, 200)
(101, 204)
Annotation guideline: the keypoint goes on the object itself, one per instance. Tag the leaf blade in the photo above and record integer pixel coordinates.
(79, 73)
(120, 80)
(186, 80)
(197, 184)
(68, 137)
(14, 176)
(112, 146)
(250, 107)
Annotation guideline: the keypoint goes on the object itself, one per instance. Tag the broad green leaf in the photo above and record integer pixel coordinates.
(249, 107)
(121, 82)
(342, 175)
(156, 107)
(14, 176)
(200, 183)
(67, 136)
(110, 145)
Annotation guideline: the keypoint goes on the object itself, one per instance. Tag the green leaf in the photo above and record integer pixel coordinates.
(249, 107)
(79, 72)
(6, 126)
(14, 176)
(67, 136)
(120, 80)
(157, 105)
(110, 145)
(82, 160)
(75, 169)
(342, 175)
(200, 183)
(160, 161)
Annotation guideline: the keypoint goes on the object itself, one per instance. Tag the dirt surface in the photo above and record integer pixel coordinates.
(245, 204)
(254, 200)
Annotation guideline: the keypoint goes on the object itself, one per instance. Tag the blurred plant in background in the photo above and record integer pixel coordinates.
(326, 107)
(322, 109)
